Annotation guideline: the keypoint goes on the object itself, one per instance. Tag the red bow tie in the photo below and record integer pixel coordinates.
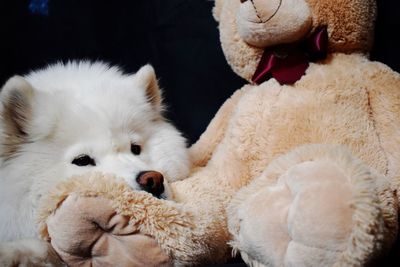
(287, 63)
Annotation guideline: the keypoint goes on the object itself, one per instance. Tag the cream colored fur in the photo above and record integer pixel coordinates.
(252, 129)
(287, 175)
(267, 23)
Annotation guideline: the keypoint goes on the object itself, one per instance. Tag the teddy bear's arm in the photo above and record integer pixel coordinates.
(201, 151)
(97, 220)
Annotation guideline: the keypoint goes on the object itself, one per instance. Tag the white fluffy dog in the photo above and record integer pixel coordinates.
(75, 118)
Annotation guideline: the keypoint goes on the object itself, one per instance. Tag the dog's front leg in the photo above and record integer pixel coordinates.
(28, 252)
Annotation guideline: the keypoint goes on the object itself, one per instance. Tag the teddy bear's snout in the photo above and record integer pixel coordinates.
(266, 23)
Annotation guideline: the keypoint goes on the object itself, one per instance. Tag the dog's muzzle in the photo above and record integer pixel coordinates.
(152, 182)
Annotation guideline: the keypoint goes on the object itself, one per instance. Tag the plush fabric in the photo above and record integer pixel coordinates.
(350, 25)
(315, 197)
(304, 174)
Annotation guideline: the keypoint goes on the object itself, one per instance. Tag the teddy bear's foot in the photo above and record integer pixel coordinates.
(317, 206)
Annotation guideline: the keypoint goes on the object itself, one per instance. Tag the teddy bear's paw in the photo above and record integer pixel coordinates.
(87, 230)
(28, 252)
(317, 212)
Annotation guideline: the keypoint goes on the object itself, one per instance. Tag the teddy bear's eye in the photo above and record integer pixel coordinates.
(83, 160)
(136, 149)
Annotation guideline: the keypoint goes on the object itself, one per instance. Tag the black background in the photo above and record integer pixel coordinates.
(178, 37)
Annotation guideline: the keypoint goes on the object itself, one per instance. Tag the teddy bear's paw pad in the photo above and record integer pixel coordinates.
(304, 219)
(98, 236)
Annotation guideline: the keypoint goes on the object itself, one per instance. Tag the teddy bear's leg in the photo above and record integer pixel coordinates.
(202, 150)
(316, 206)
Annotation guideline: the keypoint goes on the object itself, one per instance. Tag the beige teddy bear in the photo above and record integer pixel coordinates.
(298, 168)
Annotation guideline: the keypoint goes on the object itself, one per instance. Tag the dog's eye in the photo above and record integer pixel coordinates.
(136, 149)
(83, 160)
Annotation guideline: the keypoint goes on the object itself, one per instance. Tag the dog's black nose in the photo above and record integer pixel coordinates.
(152, 182)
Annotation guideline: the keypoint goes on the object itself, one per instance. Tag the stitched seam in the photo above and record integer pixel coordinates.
(255, 9)
(371, 117)
(258, 15)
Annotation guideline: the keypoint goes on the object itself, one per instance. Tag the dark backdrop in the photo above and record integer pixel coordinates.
(179, 37)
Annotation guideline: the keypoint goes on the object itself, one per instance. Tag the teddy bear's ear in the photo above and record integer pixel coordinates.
(146, 78)
(16, 99)
(217, 9)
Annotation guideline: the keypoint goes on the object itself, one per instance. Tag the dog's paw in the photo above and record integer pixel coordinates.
(7, 256)
(30, 252)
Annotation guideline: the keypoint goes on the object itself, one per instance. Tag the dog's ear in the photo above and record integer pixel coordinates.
(146, 78)
(16, 97)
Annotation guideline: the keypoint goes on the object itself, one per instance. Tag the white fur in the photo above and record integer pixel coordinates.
(85, 108)
(28, 253)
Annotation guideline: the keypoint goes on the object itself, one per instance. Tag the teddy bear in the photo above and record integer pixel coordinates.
(300, 167)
